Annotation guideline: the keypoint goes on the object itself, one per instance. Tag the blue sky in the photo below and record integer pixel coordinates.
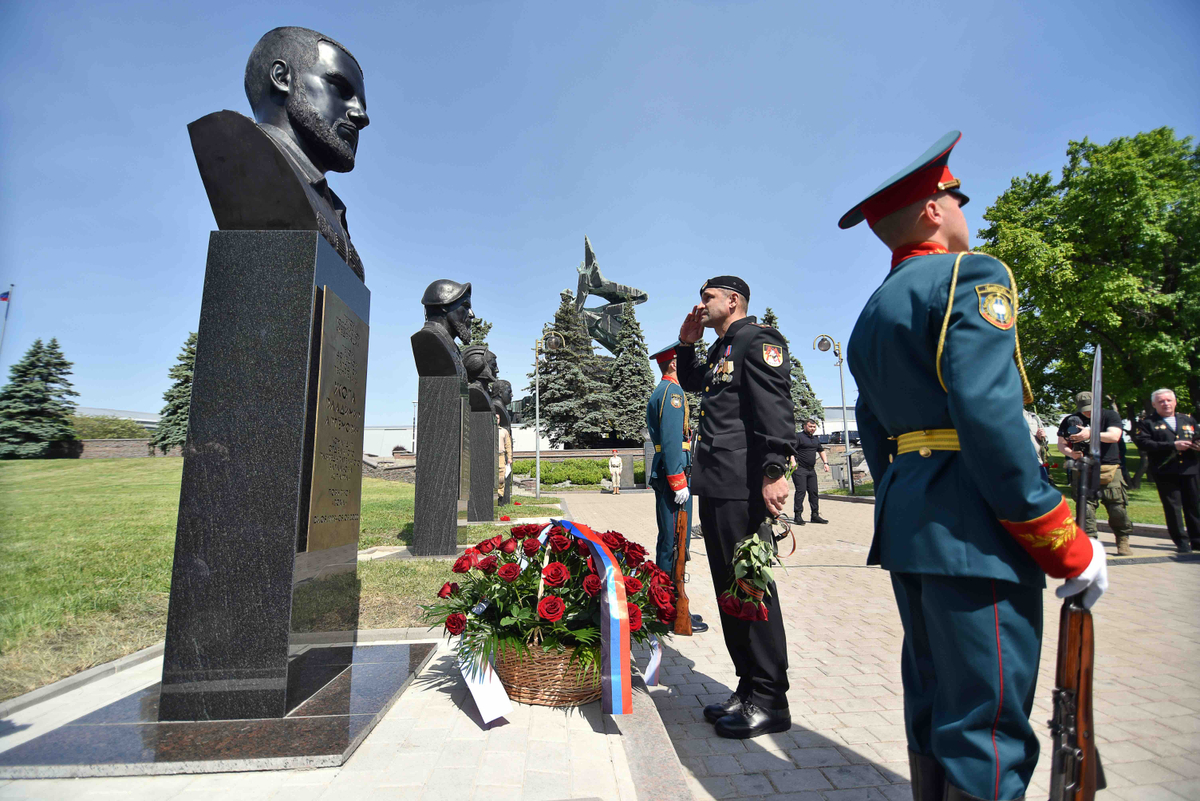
(685, 139)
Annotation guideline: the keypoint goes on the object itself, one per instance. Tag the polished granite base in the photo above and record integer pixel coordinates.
(358, 684)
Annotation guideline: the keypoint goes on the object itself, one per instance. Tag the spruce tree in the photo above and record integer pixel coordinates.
(480, 328)
(575, 401)
(35, 406)
(630, 380)
(173, 420)
(694, 398)
(804, 400)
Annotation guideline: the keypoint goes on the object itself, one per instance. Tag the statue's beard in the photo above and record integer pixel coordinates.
(461, 329)
(334, 151)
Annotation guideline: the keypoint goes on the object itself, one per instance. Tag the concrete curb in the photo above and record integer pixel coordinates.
(45, 693)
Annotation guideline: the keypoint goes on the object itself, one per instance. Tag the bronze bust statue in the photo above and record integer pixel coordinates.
(448, 316)
(501, 399)
(478, 365)
(307, 94)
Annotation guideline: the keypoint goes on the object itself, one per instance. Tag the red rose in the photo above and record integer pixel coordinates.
(456, 622)
(448, 589)
(510, 571)
(1056, 465)
(496, 540)
(516, 503)
(488, 564)
(666, 614)
(505, 518)
(613, 540)
(509, 546)
(661, 579)
(632, 585)
(557, 530)
(660, 596)
(487, 546)
(464, 563)
(558, 543)
(762, 612)
(555, 574)
(749, 611)
(551, 608)
(634, 554)
(591, 584)
(584, 550)
(729, 604)
(635, 616)
(531, 546)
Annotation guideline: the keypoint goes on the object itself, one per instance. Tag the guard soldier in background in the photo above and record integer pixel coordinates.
(747, 432)
(964, 520)
(1168, 442)
(808, 448)
(1072, 441)
(667, 421)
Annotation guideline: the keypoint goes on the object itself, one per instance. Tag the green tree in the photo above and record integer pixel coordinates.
(480, 328)
(1109, 255)
(631, 381)
(35, 406)
(575, 401)
(805, 403)
(694, 398)
(173, 419)
(105, 427)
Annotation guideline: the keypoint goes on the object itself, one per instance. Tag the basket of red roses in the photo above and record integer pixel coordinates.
(530, 605)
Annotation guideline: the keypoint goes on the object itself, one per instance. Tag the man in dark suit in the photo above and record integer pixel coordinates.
(747, 432)
(1168, 442)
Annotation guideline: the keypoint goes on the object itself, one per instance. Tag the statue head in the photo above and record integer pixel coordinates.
(503, 390)
(475, 362)
(493, 364)
(309, 86)
(448, 303)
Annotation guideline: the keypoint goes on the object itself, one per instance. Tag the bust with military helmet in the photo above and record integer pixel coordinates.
(448, 316)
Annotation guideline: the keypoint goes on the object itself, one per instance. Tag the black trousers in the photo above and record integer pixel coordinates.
(805, 480)
(1180, 496)
(759, 648)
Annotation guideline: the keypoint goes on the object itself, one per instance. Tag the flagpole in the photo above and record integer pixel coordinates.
(7, 306)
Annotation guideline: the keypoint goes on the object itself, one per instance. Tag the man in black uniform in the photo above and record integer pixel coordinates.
(808, 447)
(747, 432)
(1168, 441)
(1073, 435)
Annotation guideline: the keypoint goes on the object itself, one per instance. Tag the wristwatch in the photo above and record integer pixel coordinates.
(773, 471)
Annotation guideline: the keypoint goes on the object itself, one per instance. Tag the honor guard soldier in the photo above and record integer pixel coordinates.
(668, 422)
(964, 520)
(747, 433)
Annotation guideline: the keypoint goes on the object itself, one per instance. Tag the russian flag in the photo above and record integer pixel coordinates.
(4, 296)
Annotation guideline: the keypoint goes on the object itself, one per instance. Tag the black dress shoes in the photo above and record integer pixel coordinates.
(698, 625)
(818, 519)
(799, 521)
(752, 721)
(714, 712)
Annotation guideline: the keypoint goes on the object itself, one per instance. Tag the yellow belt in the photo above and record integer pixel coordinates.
(928, 441)
(687, 446)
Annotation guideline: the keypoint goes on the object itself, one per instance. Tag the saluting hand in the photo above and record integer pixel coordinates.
(693, 325)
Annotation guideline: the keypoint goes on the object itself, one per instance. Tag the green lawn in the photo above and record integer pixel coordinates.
(85, 562)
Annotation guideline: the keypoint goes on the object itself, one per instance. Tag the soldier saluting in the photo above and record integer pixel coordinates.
(747, 433)
(965, 521)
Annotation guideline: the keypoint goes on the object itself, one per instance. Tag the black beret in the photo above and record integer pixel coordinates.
(443, 292)
(730, 282)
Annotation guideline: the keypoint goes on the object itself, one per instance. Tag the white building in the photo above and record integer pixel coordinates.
(379, 440)
(833, 418)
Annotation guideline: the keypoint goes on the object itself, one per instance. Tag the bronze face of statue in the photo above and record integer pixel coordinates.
(308, 97)
(479, 377)
(448, 316)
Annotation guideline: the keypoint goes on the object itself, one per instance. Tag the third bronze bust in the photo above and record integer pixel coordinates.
(308, 98)
(479, 375)
(501, 399)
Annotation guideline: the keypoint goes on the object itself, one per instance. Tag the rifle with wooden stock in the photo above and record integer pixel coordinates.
(683, 616)
(1075, 770)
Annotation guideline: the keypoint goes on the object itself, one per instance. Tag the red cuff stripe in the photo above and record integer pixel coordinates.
(677, 481)
(1059, 546)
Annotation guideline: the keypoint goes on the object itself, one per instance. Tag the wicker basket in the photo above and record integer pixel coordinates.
(547, 678)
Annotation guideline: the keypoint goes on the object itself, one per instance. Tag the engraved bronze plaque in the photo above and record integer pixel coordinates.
(336, 498)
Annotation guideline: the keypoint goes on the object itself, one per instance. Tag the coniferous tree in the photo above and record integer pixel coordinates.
(631, 381)
(35, 406)
(694, 398)
(480, 328)
(173, 421)
(575, 401)
(804, 400)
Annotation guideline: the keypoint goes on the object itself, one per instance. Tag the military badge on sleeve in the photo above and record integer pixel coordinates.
(677, 401)
(773, 355)
(996, 306)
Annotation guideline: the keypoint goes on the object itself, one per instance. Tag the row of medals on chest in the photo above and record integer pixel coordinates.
(723, 371)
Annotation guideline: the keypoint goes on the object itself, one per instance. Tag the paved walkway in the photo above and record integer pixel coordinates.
(847, 740)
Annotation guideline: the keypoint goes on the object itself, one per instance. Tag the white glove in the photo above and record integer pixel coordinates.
(681, 496)
(507, 470)
(1092, 582)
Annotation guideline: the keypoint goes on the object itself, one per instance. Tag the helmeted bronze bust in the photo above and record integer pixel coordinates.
(308, 98)
(478, 361)
(448, 316)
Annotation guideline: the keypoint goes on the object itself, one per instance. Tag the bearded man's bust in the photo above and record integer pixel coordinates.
(309, 105)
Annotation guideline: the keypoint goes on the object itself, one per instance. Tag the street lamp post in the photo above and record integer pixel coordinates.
(823, 343)
(550, 340)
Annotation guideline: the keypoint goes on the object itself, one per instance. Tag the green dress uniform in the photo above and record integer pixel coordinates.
(667, 423)
(964, 520)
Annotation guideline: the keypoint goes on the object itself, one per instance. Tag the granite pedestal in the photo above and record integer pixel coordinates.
(443, 464)
(484, 450)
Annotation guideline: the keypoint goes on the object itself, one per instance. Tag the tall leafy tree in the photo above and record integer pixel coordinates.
(805, 403)
(575, 399)
(173, 421)
(35, 406)
(1109, 254)
(630, 380)
(480, 328)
